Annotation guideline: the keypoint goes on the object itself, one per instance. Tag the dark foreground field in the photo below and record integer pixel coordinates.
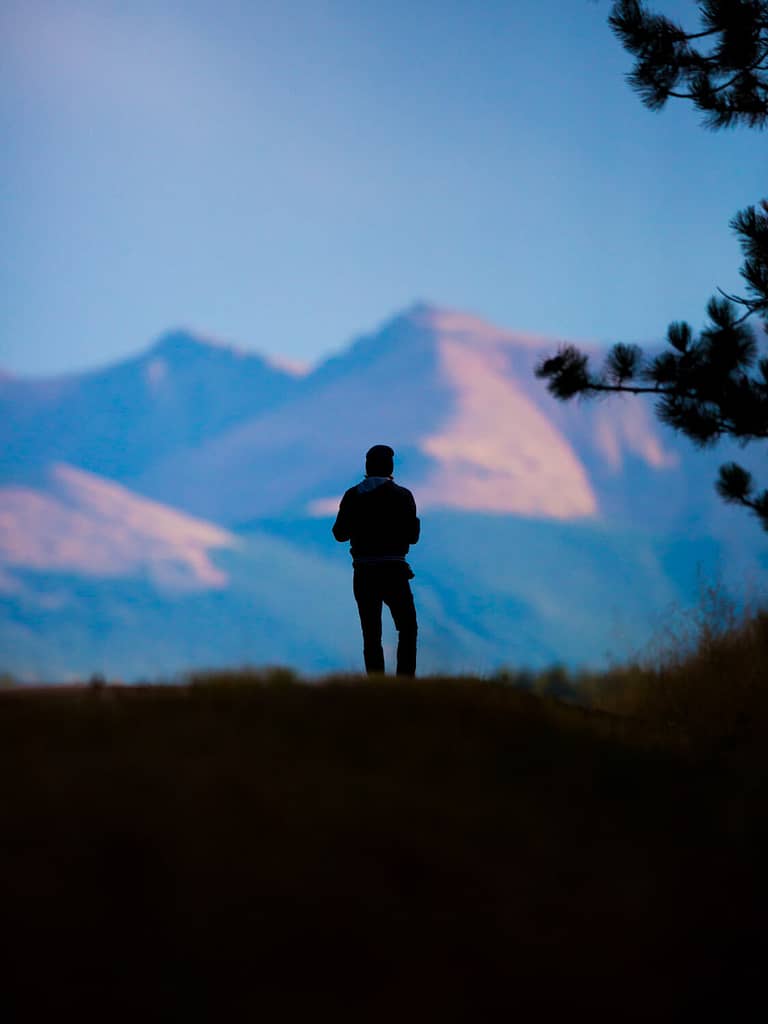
(434, 850)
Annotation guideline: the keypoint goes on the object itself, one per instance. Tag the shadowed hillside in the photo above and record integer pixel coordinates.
(446, 849)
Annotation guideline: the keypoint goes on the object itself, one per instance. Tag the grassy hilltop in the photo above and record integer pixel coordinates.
(248, 847)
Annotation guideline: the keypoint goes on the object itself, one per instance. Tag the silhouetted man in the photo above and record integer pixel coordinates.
(379, 518)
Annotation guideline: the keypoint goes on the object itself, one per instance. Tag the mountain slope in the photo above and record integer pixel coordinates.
(490, 591)
(496, 590)
(118, 420)
(81, 524)
(96, 578)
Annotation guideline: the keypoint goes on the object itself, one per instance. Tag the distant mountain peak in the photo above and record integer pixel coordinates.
(182, 342)
(182, 346)
(463, 325)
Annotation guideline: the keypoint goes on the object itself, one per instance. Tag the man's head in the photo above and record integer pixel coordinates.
(379, 461)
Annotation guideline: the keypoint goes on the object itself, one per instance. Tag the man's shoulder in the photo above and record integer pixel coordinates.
(403, 490)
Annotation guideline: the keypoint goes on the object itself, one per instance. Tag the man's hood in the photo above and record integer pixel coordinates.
(372, 482)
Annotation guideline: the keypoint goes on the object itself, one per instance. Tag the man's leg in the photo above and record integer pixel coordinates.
(400, 601)
(368, 596)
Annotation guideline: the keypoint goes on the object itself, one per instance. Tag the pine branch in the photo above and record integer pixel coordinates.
(666, 58)
(752, 307)
(712, 89)
(736, 487)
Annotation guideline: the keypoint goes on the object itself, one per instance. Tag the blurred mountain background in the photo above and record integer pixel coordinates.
(173, 511)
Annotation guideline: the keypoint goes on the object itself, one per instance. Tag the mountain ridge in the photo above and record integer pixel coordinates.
(172, 510)
(456, 397)
(227, 434)
(114, 420)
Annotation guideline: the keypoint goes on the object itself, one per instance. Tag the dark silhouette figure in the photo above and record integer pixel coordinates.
(379, 518)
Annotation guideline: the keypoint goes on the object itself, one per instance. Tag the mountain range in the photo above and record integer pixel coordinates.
(173, 510)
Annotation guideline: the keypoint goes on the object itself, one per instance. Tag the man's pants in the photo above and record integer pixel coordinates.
(374, 585)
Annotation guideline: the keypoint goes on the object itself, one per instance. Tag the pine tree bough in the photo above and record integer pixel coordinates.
(715, 385)
(723, 68)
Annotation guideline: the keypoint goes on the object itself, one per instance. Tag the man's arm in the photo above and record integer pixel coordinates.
(415, 522)
(342, 528)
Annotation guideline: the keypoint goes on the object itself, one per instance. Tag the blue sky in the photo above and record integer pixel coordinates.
(286, 174)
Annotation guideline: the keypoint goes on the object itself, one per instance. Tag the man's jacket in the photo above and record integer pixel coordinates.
(379, 518)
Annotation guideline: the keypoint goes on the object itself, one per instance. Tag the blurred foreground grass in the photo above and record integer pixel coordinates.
(248, 847)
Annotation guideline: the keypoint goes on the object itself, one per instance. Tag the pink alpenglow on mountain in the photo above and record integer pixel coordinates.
(485, 424)
(497, 452)
(627, 432)
(86, 525)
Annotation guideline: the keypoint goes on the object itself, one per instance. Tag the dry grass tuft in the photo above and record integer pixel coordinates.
(707, 677)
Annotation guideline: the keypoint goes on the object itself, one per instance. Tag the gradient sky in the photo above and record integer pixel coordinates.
(286, 174)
